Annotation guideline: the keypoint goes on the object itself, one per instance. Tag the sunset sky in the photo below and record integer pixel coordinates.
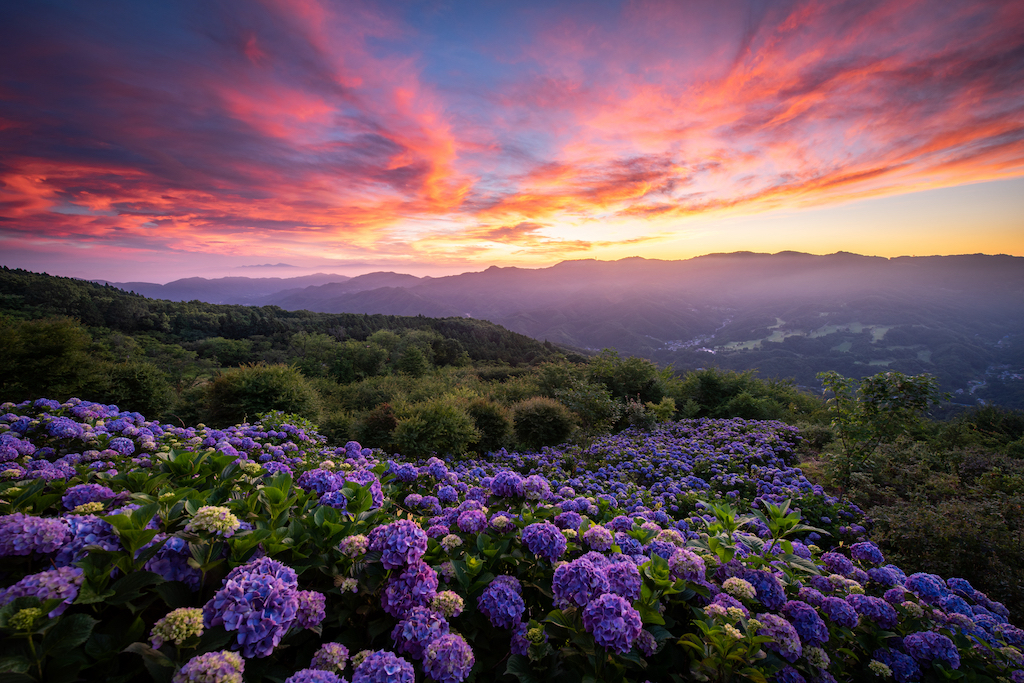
(157, 140)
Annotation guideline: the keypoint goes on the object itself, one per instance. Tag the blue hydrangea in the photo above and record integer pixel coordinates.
(928, 646)
(928, 587)
(260, 601)
(413, 633)
(598, 538)
(404, 472)
(171, 562)
(810, 595)
(447, 494)
(839, 611)
(415, 586)
(536, 487)
(367, 478)
(904, 668)
(384, 667)
(569, 520)
(866, 552)
(875, 609)
(883, 576)
(544, 539)
(334, 499)
(613, 622)
(122, 445)
(65, 428)
(314, 676)
(788, 675)
(769, 591)
(805, 620)
(472, 521)
(502, 602)
(837, 564)
(449, 659)
(22, 534)
(577, 583)
(312, 609)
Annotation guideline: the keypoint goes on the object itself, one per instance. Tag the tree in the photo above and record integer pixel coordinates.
(869, 412)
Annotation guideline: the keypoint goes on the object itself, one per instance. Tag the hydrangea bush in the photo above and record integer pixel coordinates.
(132, 549)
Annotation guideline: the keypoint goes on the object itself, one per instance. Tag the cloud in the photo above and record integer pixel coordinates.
(270, 265)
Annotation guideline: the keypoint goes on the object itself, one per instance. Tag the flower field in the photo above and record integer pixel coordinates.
(695, 551)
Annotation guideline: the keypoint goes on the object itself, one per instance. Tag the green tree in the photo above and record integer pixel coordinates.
(439, 426)
(50, 358)
(493, 421)
(243, 393)
(541, 421)
(869, 412)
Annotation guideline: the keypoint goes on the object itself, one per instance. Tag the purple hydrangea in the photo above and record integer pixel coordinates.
(577, 583)
(212, 667)
(569, 520)
(598, 538)
(788, 675)
(449, 659)
(502, 602)
(472, 521)
(260, 601)
(314, 676)
(320, 480)
(384, 667)
(875, 609)
(53, 584)
(415, 586)
(122, 445)
(904, 668)
(536, 487)
(330, 657)
(544, 539)
(785, 639)
(22, 534)
(837, 564)
(85, 493)
(312, 609)
(928, 646)
(613, 622)
(334, 499)
(686, 564)
(769, 591)
(623, 579)
(447, 494)
(507, 484)
(65, 428)
(401, 543)
(805, 620)
(810, 595)
(883, 576)
(866, 552)
(413, 633)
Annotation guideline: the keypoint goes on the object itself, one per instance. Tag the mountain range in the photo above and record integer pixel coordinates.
(787, 315)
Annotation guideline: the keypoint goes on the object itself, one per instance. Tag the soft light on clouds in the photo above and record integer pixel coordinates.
(189, 138)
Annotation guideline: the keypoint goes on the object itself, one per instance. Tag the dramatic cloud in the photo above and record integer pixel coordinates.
(478, 133)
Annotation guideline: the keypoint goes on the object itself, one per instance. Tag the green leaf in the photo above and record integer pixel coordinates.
(14, 665)
(519, 666)
(130, 587)
(69, 632)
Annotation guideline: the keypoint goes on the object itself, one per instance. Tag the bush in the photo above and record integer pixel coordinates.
(243, 393)
(493, 422)
(439, 426)
(376, 427)
(138, 384)
(540, 422)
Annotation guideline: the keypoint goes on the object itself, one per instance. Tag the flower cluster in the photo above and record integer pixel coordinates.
(214, 519)
(212, 667)
(177, 626)
(613, 622)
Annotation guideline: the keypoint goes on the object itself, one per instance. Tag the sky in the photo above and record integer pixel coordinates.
(148, 141)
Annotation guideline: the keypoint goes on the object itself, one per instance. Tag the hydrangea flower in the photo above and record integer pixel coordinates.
(448, 603)
(928, 646)
(121, 445)
(334, 499)
(876, 609)
(312, 609)
(866, 551)
(212, 667)
(259, 600)
(927, 587)
(613, 622)
(415, 586)
(472, 521)
(367, 478)
(177, 626)
(686, 564)
(59, 584)
(85, 493)
(22, 534)
(544, 539)
(805, 620)
(320, 480)
(598, 538)
(577, 583)
(837, 564)
(839, 611)
(413, 633)
(171, 561)
(623, 579)
(785, 639)
(314, 676)
(449, 659)
(507, 484)
(400, 543)
(384, 667)
(214, 519)
(354, 546)
(739, 588)
(330, 657)
(502, 602)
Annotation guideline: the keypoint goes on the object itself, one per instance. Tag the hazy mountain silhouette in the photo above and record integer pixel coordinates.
(225, 290)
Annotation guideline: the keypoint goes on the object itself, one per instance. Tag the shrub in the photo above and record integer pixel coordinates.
(541, 421)
(138, 384)
(243, 393)
(492, 421)
(439, 426)
(376, 427)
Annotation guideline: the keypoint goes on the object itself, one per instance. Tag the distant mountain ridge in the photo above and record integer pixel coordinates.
(788, 314)
(225, 290)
